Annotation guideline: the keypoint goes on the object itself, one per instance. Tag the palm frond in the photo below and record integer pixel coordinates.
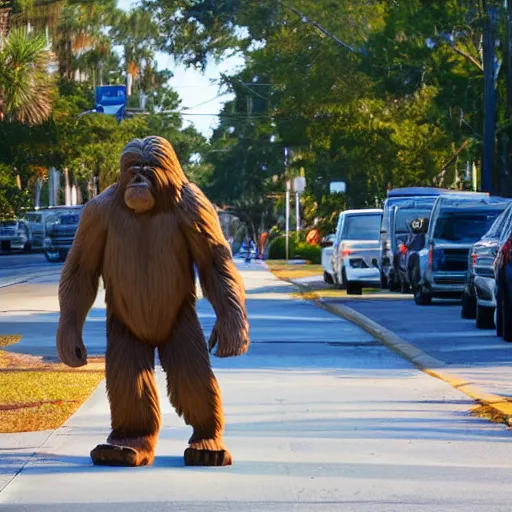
(26, 84)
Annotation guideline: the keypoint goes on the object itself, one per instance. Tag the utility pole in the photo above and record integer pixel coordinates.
(508, 113)
(489, 49)
(287, 212)
(287, 221)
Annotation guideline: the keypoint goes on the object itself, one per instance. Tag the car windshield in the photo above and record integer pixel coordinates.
(398, 201)
(8, 223)
(466, 227)
(362, 227)
(405, 216)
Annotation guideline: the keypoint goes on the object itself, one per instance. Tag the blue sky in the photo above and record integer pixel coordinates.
(195, 87)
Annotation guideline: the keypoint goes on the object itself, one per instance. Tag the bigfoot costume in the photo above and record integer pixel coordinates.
(143, 235)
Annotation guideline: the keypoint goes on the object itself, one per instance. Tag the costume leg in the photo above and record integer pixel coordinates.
(194, 392)
(133, 398)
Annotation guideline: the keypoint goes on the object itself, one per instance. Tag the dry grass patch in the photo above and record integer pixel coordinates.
(42, 395)
(287, 271)
(490, 413)
(9, 339)
(311, 291)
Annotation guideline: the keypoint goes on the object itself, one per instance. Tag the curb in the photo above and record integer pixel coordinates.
(428, 364)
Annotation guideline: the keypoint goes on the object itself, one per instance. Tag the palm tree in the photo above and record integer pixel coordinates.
(26, 82)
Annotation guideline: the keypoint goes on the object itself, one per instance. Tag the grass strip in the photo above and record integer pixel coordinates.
(41, 395)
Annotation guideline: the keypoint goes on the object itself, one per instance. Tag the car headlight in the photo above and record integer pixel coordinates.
(47, 242)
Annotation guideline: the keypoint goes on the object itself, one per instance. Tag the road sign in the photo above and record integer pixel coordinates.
(299, 184)
(111, 100)
(338, 187)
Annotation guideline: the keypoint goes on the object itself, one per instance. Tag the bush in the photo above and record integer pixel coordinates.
(277, 248)
(301, 250)
(312, 253)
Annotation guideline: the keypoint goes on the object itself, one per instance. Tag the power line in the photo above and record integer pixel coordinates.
(306, 19)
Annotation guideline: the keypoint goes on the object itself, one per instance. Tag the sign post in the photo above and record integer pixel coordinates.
(287, 228)
(299, 185)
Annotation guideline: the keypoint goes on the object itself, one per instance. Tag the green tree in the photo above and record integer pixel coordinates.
(26, 86)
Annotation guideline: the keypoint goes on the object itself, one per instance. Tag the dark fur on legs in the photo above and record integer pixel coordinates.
(133, 400)
(194, 391)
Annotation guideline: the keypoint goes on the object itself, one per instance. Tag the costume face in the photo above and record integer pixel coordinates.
(139, 193)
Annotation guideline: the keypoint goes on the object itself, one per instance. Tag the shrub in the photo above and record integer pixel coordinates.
(277, 248)
(312, 253)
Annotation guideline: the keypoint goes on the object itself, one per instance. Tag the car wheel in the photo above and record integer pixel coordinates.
(6, 246)
(343, 284)
(422, 297)
(498, 321)
(415, 278)
(506, 320)
(354, 288)
(383, 281)
(52, 257)
(484, 317)
(468, 306)
(404, 287)
(394, 284)
(328, 278)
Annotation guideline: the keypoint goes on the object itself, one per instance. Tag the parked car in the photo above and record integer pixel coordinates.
(409, 250)
(326, 256)
(39, 219)
(396, 197)
(456, 224)
(478, 299)
(503, 287)
(355, 251)
(60, 231)
(401, 241)
(13, 235)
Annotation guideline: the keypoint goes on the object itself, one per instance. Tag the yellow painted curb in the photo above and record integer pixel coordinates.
(428, 364)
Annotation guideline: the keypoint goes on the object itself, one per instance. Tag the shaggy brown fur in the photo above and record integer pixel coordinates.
(143, 235)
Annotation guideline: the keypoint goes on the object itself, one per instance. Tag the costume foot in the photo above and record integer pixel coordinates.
(113, 455)
(195, 457)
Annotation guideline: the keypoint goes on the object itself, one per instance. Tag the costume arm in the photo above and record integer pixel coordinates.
(79, 283)
(220, 280)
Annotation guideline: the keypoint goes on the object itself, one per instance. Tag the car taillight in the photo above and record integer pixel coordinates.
(346, 252)
(403, 249)
(473, 256)
(507, 251)
(430, 256)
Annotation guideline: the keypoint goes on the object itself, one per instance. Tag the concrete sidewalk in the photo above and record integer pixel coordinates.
(319, 417)
(435, 334)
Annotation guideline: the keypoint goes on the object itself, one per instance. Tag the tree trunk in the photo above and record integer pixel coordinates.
(489, 98)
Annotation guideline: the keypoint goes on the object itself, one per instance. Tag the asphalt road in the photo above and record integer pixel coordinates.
(17, 266)
(441, 332)
(320, 417)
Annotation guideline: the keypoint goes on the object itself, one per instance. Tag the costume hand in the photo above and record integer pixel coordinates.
(232, 338)
(70, 347)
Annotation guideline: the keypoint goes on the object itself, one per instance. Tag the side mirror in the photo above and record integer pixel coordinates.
(419, 226)
(325, 242)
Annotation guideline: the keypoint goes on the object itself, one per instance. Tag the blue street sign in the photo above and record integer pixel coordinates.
(111, 100)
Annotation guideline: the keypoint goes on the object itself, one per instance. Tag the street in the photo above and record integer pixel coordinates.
(16, 267)
(319, 416)
(441, 332)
